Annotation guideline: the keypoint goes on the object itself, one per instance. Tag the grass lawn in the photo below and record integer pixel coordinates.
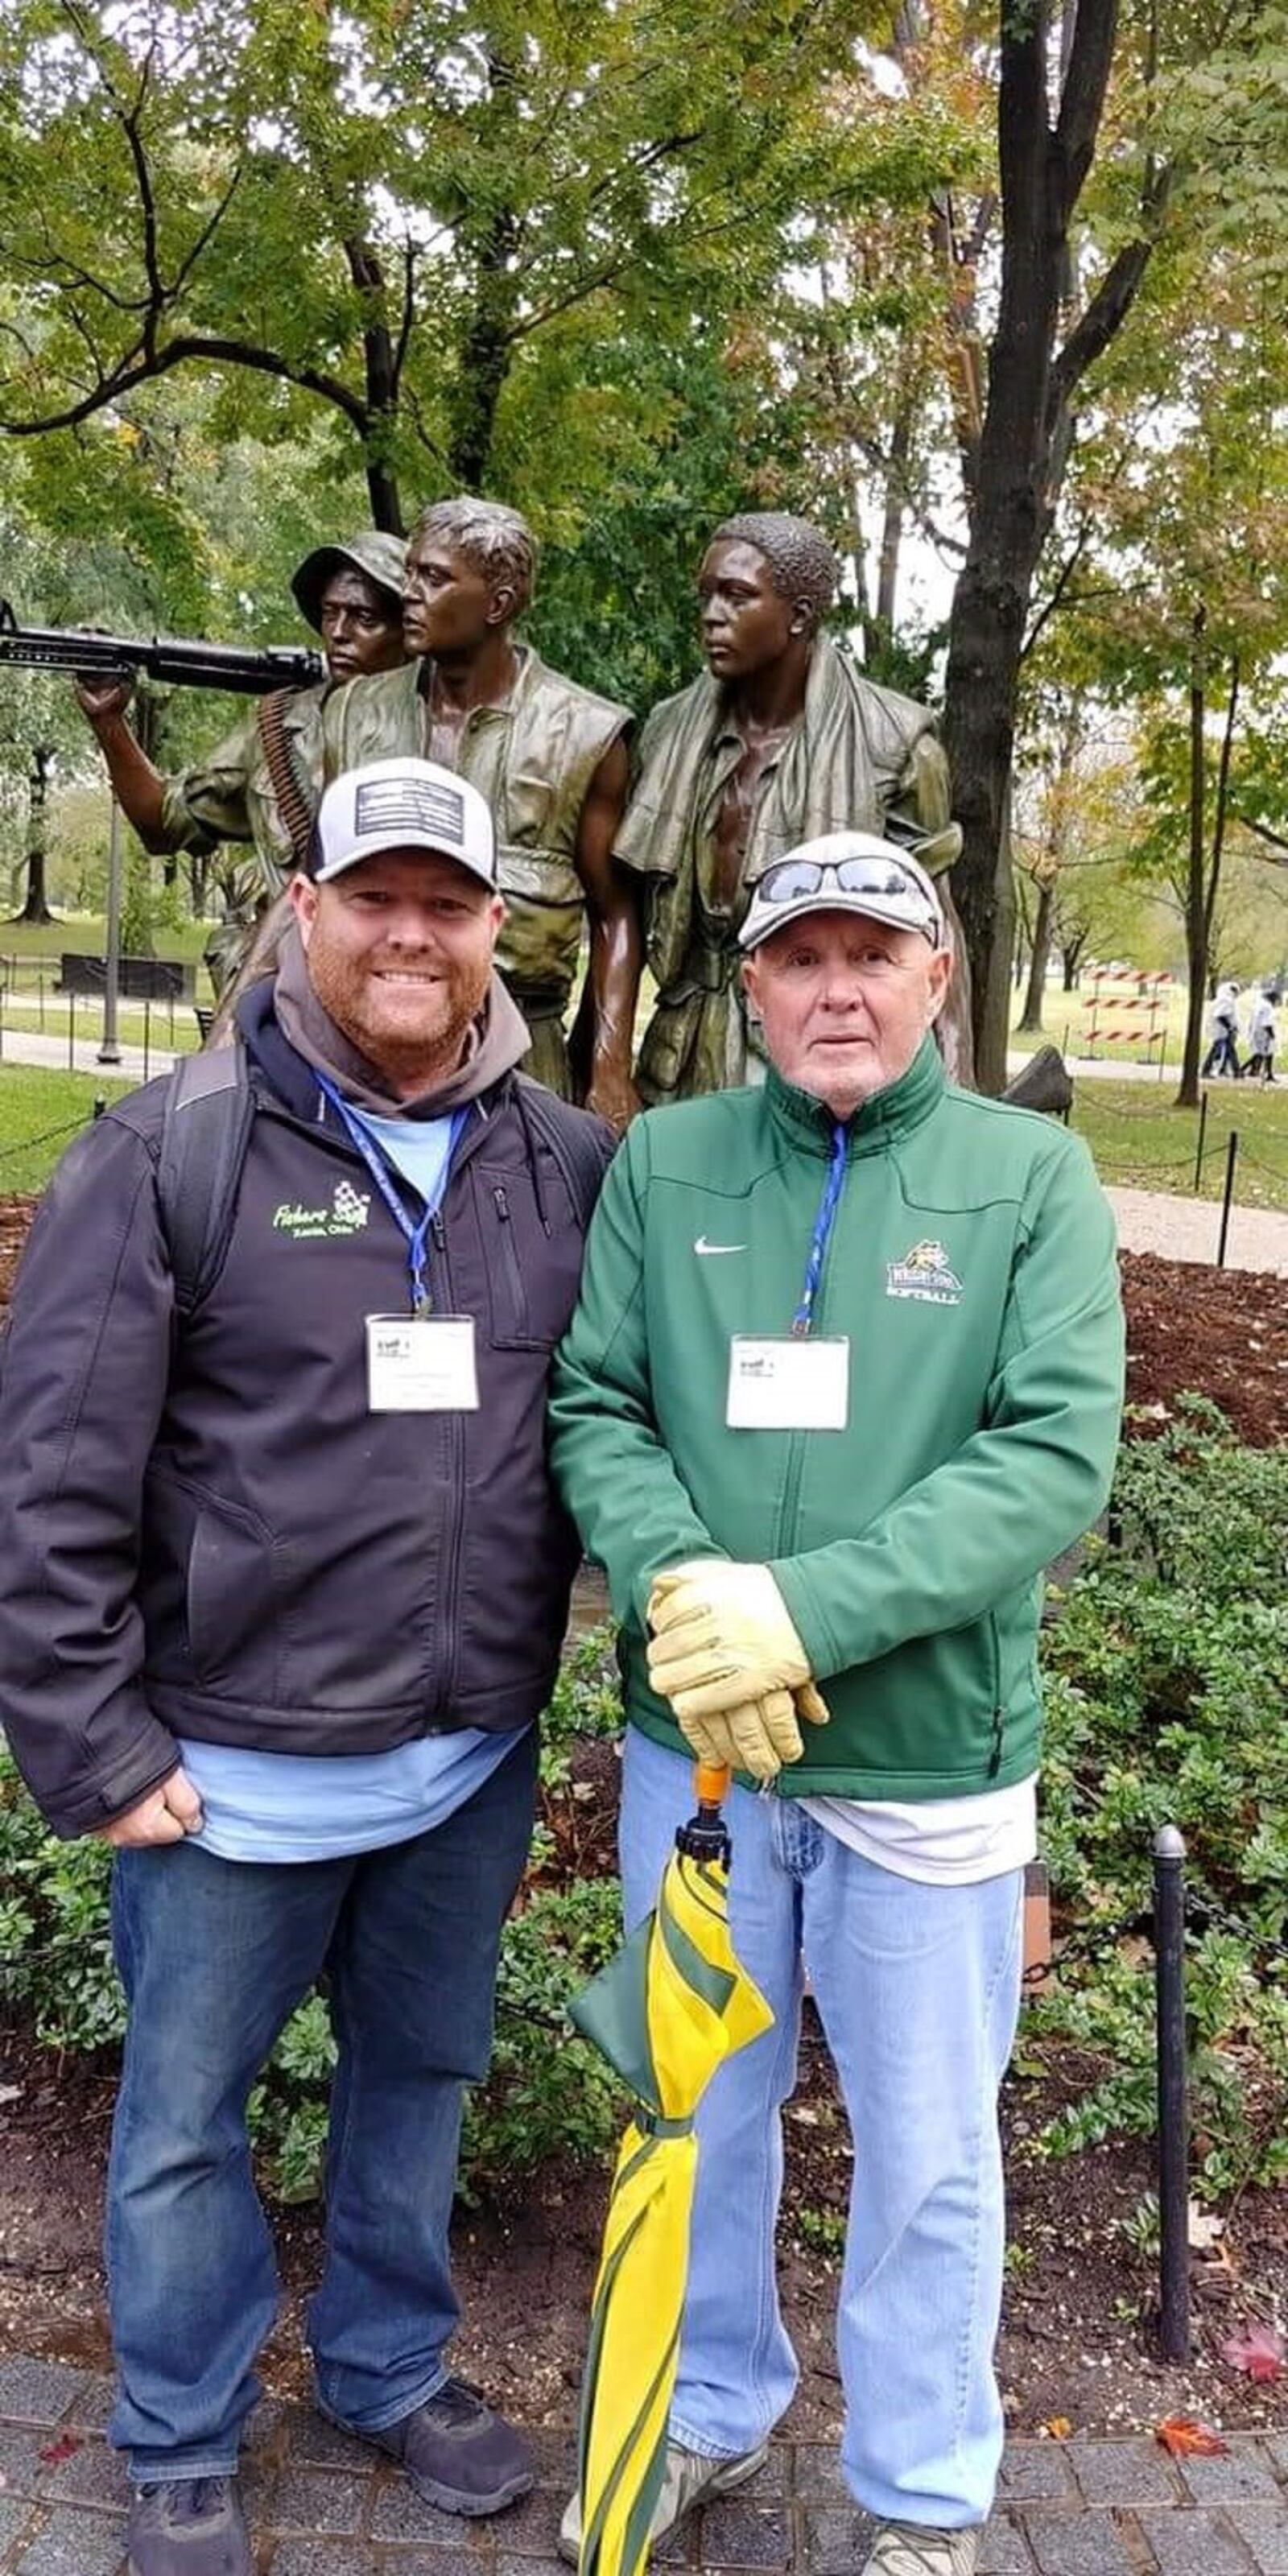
(1140, 1141)
(85, 933)
(39, 1115)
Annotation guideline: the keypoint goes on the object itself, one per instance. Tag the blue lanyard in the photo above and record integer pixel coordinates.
(415, 1235)
(823, 1224)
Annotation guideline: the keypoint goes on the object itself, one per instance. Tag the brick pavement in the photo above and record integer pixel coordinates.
(323, 2505)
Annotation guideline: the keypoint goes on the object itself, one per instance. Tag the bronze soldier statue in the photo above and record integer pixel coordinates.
(784, 740)
(551, 759)
(262, 783)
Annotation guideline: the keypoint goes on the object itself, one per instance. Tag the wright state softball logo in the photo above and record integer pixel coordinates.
(925, 1272)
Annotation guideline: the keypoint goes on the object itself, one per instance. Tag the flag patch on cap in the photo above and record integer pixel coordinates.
(409, 804)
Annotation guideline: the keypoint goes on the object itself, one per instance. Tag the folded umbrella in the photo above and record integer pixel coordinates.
(666, 2012)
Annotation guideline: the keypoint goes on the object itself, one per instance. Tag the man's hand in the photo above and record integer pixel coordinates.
(722, 1640)
(100, 700)
(758, 1737)
(164, 1816)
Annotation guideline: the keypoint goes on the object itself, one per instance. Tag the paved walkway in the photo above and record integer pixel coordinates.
(28, 1046)
(1189, 1229)
(323, 2505)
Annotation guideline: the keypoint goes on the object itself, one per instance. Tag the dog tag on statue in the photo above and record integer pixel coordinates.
(421, 1364)
(788, 1382)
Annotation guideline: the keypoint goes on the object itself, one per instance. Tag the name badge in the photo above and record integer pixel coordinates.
(783, 1382)
(421, 1364)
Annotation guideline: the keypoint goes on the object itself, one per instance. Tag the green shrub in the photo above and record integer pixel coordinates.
(547, 2095)
(1165, 1704)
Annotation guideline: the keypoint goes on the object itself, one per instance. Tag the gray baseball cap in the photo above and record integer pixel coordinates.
(845, 872)
(402, 805)
(382, 558)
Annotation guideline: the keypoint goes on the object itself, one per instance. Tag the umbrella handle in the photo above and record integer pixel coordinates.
(706, 1835)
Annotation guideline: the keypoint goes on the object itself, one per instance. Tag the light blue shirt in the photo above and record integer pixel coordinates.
(292, 1806)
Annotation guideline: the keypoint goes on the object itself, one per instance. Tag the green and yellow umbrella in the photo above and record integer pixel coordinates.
(665, 2013)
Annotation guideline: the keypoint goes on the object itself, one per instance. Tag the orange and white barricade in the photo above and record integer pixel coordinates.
(1126, 1008)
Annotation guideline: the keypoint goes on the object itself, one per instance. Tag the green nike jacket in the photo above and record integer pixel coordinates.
(972, 1266)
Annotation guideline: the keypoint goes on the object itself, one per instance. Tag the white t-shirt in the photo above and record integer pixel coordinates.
(947, 1842)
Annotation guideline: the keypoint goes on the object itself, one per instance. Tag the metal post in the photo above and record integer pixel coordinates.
(110, 1052)
(1173, 2103)
(1231, 1158)
(147, 1032)
(1198, 1150)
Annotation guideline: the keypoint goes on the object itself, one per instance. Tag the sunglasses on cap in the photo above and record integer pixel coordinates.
(789, 879)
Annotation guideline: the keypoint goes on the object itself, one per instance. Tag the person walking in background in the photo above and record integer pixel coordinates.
(1262, 1036)
(1223, 1029)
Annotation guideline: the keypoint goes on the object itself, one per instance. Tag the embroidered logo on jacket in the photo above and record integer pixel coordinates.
(347, 1214)
(924, 1272)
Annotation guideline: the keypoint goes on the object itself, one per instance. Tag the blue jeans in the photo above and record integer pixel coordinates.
(214, 1956)
(918, 1990)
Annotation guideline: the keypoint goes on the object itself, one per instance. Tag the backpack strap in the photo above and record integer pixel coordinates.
(205, 1131)
(577, 1146)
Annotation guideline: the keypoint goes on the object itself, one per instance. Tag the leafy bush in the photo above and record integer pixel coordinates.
(547, 2095)
(1165, 1704)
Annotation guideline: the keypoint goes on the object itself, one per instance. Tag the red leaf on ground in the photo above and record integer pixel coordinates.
(1185, 2439)
(1260, 2352)
(65, 2448)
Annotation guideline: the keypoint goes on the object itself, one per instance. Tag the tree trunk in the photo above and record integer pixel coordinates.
(485, 355)
(381, 369)
(1196, 928)
(896, 485)
(1031, 1015)
(36, 900)
(1022, 452)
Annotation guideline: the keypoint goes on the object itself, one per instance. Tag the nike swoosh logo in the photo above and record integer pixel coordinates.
(701, 1245)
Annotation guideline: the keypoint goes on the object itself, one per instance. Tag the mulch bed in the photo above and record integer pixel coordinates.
(1223, 1332)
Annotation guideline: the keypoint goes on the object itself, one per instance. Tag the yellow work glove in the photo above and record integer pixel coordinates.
(723, 1642)
(757, 1736)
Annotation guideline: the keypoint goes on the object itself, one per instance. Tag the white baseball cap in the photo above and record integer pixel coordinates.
(401, 805)
(845, 872)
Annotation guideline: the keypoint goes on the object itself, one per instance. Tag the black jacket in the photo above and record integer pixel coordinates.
(209, 1534)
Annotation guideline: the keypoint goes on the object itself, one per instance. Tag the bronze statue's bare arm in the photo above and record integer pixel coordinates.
(616, 944)
(139, 788)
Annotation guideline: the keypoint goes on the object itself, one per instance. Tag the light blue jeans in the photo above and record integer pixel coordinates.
(918, 1990)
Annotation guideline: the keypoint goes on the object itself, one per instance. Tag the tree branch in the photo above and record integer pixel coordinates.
(142, 366)
(1083, 96)
(206, 234)
(1063, 578)
(1092, 333)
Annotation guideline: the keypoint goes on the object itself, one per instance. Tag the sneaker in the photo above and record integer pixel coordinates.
(691, 2477)
(188, 2527)
(458, 2453)
(914, 2549)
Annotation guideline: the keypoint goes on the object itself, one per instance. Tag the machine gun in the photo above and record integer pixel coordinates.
(172, 660)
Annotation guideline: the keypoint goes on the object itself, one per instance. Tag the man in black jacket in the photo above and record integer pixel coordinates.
(252, 1633)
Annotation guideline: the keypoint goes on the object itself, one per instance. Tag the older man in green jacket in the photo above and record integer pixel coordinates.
(845, 1375)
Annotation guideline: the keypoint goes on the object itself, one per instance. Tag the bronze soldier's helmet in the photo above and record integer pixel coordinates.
(380, 557)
